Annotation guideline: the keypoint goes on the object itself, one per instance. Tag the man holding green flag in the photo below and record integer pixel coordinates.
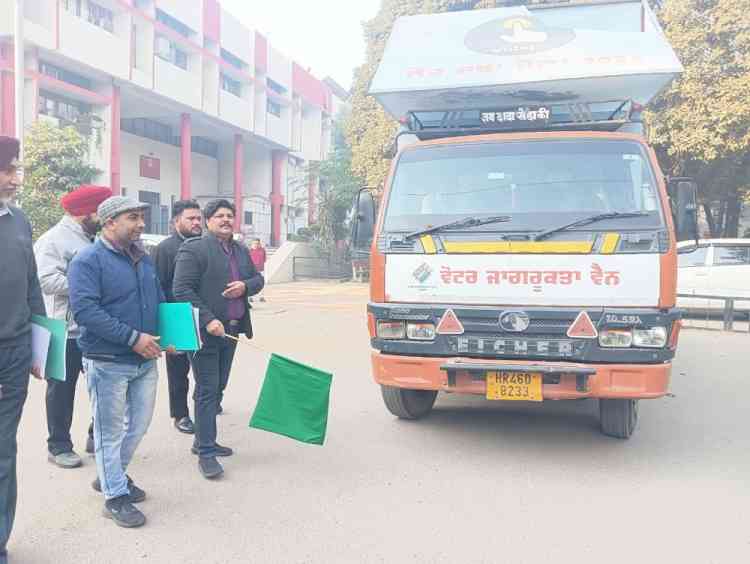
(216, 275)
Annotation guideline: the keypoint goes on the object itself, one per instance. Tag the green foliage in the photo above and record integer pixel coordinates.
(701, 125)
(338, 188)
(55, 162)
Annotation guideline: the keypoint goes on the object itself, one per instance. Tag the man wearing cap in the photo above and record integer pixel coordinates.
(216, 275)
(20, 297)
(115, 296)
(54, 251)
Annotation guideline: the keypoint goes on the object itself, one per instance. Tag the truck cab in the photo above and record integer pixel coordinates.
(524, 251)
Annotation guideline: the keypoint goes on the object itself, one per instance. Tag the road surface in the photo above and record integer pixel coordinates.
(476, 482)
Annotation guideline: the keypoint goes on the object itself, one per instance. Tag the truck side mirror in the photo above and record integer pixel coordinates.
(363, 221)
(683, 193)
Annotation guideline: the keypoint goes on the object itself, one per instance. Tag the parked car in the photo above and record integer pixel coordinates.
(150, 241)
(716, 267)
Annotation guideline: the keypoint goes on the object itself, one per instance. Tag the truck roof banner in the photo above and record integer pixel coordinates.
(475, 59)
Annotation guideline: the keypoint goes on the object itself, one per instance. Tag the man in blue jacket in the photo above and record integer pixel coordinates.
(115, 296)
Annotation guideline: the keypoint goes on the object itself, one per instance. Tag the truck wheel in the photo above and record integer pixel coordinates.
(618, 417)
(408, 404)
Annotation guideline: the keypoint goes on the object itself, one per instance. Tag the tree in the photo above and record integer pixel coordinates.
(700, 126)
(55, 162)
(338, 187)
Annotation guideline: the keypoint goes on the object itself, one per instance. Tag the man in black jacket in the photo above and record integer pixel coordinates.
(216, 275)
(187, 220)
(20, 297)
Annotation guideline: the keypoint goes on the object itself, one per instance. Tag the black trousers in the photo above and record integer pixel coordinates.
(60, 402)
(178, 366)
(15, 365)
(211, 367)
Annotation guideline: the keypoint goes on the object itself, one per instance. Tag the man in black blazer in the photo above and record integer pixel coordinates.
(216, 275)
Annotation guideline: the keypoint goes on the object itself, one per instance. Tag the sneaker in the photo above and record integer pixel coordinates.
(210, 467)
(123, 512)
(90, 444)
(65, 459)
(137, 495)
(184, 425)
(220, 450)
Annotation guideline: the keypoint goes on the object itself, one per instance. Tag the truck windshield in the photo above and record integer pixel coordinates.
(540, 184)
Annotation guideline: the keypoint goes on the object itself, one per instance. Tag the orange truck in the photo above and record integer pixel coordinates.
(525, 243)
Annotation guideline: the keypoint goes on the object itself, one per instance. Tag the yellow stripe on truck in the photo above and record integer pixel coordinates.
(610, 243)
(541, 247)
(429, 244)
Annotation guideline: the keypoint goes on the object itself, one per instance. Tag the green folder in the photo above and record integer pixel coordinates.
(294, 401)
(55, 366)
(179, 327)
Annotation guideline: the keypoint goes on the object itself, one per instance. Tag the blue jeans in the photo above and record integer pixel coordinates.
(122, 401)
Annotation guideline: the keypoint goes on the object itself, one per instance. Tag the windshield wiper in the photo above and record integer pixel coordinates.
(459, 224)
(586, 221)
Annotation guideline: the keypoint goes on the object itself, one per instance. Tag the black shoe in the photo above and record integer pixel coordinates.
(90, 444)
(123, 512)
(137, 495)
(210, 467)
(220, 450)
(184, 425)
(219, 410)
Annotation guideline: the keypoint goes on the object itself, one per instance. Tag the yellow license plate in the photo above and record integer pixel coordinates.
(514, 386)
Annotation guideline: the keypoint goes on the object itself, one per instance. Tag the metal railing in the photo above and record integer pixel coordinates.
(320, 268)
(728, 312)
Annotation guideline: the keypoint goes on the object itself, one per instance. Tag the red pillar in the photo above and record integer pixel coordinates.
(277, 200)
(115, 149)
(7, 92)
(239, 149)
(186, 165)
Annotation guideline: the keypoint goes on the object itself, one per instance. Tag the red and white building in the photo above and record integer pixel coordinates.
(181, 101)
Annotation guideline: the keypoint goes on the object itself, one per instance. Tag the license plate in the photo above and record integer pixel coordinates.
(514, 386)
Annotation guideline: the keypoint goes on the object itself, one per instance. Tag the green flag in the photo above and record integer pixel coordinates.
(293, 401)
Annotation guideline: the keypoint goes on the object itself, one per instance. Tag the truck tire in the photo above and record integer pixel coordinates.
(408, 404)
(618, 417)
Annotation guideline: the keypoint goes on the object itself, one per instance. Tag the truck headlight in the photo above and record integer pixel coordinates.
(391, 329)
(654, 338)
(616, 338)
(420, 331)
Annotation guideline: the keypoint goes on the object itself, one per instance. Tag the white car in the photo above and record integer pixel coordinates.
(716, 267)
(150, 241)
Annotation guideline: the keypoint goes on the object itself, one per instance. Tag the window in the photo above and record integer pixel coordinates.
(91, 12)
(153, 212)
(731, 256)
(248, 218)
(149, 129)
(61, 108)
(228, 84)
(173, 23)
(273, 108)
(64, 75)
(204, 146)
(169, 51)
(540, 184)
(233, 60)
(693, 257)
(100, 16)
(275, 86)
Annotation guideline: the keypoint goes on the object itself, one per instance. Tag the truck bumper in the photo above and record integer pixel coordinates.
(561, 380)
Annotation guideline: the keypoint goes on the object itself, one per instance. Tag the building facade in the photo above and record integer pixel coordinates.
(180, 101)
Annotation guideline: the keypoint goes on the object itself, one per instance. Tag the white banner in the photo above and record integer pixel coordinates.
(543, 280)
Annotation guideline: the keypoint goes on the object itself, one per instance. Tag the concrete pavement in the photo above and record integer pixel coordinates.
(475, 482)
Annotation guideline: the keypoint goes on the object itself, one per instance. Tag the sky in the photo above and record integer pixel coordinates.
(322, 35)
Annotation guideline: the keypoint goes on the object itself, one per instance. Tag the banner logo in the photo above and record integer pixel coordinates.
(516, 35)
